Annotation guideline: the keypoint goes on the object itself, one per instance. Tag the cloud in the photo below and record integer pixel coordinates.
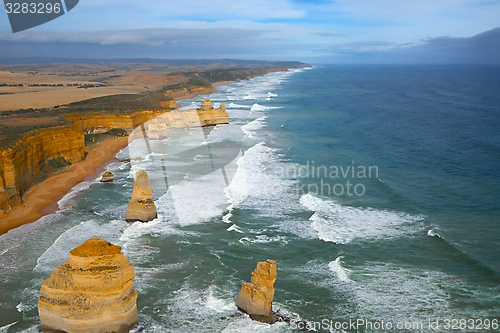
(329, 34)
(154, 43)
(151, 37)
(312, 42)
(483, 48)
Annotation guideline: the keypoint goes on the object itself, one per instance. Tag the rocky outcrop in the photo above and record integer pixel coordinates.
(255, 297)
(158, 127)
(141, 206)
(169, 103)
(20, 164)
(210, 116)
(92, 292)
(107, 176)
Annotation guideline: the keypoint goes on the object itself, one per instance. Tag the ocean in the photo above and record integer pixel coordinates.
(375, 188)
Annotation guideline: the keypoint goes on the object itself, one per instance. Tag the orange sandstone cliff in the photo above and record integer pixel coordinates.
(204, 116)
(20, 164)
(92, 292)
(97, 122)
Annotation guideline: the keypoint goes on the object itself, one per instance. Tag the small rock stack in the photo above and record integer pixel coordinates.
(222, 107)
(141, 206)
(91, 292)
(255, 297)
(107, 176)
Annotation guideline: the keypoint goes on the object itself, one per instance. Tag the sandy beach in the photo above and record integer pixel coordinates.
(42, 198)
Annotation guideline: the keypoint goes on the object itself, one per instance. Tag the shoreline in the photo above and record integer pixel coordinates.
(41, 199)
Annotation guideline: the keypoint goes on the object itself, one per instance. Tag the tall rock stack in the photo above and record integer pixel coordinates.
(255, 297)
(141, 206)
(206, 105)
(222, 107)
(92, 292)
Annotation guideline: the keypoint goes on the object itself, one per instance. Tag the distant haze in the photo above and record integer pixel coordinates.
(316, 31)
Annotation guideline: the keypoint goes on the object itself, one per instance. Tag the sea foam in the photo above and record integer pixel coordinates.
(342, 224)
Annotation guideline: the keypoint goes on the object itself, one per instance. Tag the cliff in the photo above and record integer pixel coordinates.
(141, 206)
(20, 164)
(188, 91)
(255, 297)
(169, 103)
(97, 122)
(92, 292)
(206, 115)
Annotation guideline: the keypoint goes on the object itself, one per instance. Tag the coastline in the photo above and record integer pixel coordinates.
(41, 199)
(38, 201)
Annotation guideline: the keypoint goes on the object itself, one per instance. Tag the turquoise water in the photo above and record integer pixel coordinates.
(410, 238)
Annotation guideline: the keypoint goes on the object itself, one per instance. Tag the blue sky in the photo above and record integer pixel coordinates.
(306, 30)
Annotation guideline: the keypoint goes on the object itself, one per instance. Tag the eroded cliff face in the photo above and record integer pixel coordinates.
(170, 103)
(91, 292)
(19, 165)
(204, 116)
(183, 92)
(95, 122)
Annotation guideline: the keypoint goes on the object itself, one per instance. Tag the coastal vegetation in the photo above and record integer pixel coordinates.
(94, 138)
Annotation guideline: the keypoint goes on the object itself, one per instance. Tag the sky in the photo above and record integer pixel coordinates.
(315, 31)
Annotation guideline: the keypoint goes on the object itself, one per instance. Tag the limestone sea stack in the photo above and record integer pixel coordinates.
(206, 105)
(210, 116)
(141, 206)
(92, 292)
(107, 176)
(255, 297)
